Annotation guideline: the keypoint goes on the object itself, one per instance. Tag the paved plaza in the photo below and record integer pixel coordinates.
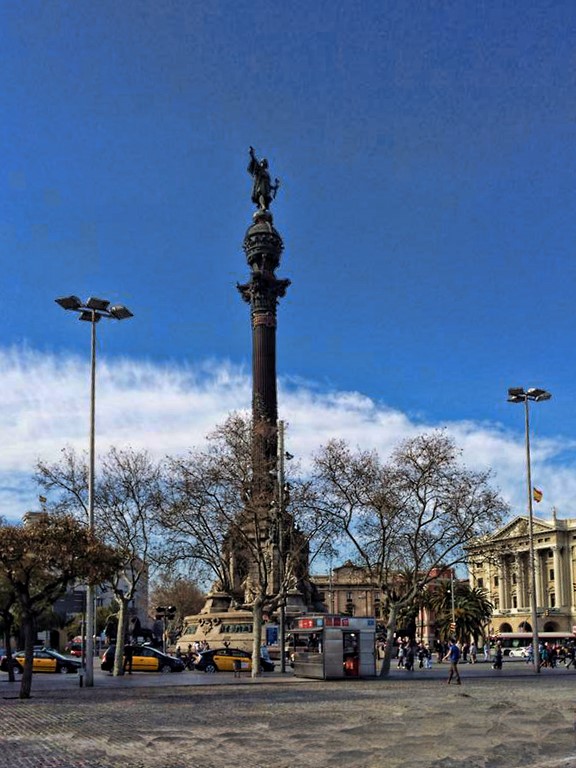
(504, 719)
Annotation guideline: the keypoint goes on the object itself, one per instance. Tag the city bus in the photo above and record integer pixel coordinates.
(517, 643)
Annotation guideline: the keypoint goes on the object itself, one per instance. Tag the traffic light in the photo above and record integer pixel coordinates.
(170, 612)
(160, 612)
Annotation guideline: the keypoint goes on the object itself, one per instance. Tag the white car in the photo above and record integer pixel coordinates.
(518, 653)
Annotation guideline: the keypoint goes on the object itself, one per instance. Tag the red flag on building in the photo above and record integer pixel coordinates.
(537, 493)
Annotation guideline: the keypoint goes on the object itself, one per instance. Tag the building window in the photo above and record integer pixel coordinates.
(480, 583)
(514, 602)
(495, 581)
(552, 599)
(551, 574)
(514, 579)
(348, 595)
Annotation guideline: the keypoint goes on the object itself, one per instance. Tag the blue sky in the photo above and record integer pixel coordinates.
(426, 154)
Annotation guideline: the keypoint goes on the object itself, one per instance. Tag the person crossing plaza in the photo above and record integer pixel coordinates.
(453, 656)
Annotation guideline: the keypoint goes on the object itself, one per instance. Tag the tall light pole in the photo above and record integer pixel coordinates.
(92, 311)
(519, 395)
(281, 520)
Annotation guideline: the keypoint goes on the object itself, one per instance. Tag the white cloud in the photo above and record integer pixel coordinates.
(44, 406)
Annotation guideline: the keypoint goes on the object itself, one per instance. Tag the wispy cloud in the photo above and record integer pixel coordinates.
(167, 409)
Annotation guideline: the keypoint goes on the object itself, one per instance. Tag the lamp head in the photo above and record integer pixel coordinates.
(516, 395)
(100, 305)
(120, 312)
(89, 317)
(538, 394)
(69, 302)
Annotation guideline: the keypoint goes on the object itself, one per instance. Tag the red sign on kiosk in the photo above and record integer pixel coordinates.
(310, 623)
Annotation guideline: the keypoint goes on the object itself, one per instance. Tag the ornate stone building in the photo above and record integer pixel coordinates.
(347, 589)
(500, 564)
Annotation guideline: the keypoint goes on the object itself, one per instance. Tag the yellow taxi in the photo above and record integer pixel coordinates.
(44, 660)
(222, 660)
(144, 659)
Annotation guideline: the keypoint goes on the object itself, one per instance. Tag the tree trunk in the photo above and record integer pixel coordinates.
(120, 636)
(257, 635)
(388, 646)
(29, 636)
(8, 646)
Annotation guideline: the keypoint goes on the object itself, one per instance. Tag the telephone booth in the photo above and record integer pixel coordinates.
(330, 647)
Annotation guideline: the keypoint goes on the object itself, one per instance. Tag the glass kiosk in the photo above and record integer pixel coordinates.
(330, 647)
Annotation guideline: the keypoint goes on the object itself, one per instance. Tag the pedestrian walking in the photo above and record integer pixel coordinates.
(453, 656)
(409, 663)
(422, 655)
(128, 658)
(498, 657)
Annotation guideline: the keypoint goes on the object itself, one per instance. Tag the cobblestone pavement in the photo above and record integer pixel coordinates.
(413, 720)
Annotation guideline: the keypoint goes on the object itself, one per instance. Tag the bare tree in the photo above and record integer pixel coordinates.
(406, 521)
(183, 594)
(127, 496)
(39, 560)
(255, 548)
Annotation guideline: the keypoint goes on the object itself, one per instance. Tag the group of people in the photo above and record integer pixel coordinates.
(408, 652)
(194, 649)
(453, 652)
(551, 655)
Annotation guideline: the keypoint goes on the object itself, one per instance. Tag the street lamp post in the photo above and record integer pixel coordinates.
(92, 311)
(281, 543)
(519, 395)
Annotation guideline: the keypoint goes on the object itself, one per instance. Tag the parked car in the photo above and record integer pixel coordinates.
(516, 653)
(222, 660)
(44, 660)
(144, 659)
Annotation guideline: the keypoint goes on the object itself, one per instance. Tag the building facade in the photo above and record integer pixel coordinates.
(348, 590)
(500, 564)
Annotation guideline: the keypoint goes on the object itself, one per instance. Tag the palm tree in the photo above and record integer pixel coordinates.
(472, 610)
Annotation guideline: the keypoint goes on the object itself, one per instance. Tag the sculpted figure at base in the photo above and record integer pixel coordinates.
(263, 191)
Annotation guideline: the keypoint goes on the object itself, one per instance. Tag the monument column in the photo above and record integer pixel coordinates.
(523, 578)
(558, 576)
(540, 602)
(501, 583)
(263, 247)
